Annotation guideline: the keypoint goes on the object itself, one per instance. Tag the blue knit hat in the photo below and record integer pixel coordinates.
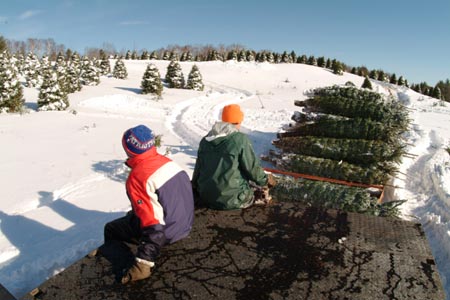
(137, 140)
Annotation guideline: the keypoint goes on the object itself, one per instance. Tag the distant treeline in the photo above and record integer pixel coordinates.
(51, 49)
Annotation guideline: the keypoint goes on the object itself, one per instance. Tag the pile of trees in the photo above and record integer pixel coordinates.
(347, 134)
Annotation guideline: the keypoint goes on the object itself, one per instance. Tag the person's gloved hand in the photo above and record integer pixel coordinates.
(141, 269)
(271, 182)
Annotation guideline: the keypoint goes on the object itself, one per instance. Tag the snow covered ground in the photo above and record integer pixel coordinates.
(62, 173)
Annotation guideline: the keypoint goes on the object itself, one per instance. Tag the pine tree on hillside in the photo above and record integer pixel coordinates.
(51, 96)
(89, 72)
(73, 82)
(436, 93)
(373, 74)
(293, 57)
(145, 55)
(321, 62)
(30, 70)
(270, 58)
(337, 67)
(312, 61)
(393, 79)
(195, 81)
(60, 68)
(3, 45)
(105, 66)
(285, 57)
(174, 76)
(242, 56)
(128, 55)
(120, 71)
(401, 81)
(151, 81)
(11, 91)
(250, 56)
(153, 55)
(367, 84)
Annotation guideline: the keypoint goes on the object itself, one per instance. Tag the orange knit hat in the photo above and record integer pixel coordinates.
(232, 114)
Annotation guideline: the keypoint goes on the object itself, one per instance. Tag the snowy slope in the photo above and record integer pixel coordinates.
(62, 173)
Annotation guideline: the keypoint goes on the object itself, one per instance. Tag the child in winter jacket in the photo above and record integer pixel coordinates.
(161, 198)
(226, 164)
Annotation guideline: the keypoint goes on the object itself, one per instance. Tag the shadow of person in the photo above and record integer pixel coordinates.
(42, 249)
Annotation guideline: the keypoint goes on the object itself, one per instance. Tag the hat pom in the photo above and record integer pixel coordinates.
(138, 140)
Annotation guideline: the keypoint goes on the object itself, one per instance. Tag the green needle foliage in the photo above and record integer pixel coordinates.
(343, 133)
(334, 196)
(357, 151)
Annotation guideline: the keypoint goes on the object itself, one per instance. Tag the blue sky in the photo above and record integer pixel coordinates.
(409, 38)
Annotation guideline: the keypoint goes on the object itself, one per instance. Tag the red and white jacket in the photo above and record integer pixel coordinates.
(161, 197)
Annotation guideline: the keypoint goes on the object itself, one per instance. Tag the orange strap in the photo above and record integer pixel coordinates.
(312, 177)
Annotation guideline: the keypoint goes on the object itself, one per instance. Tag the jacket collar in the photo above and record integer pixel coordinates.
(135, 160)
(220, 129)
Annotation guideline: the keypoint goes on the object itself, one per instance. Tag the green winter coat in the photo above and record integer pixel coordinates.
(225, 164)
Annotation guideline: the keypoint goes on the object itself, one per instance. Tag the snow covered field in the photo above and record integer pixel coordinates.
(62, 173)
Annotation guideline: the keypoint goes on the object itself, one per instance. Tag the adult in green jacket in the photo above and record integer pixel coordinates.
(226, 163)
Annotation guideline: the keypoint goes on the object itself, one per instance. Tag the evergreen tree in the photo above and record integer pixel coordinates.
(232, 55)
(51, 96)
(393, 79)
(11, 91)
(128, 55)
(195, 81)
(285, 57)
(337, 67)
(437, 93)
(312, 61)
(189, 56)
(270, 58)
(30, 70)
(60, 69)
(166, 55)
(105, 66)
(293, 57)
(367, 84)
(89, 72)
(401, 81)
(151, 81)
(69, 53)
(73, 82)
(250, 56)
(174, 76)
(153, 55)
(302, 59)
(134, 55)
(373, 74)
(174, 56)
(145, 55)
(242, 56)
(328, 64)
(321, 62)
(3, 45)
(120, 71)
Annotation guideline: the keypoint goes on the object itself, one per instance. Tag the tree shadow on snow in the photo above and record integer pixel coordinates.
(31, 106)
(133, 90)
(113, 169)
(44, 250)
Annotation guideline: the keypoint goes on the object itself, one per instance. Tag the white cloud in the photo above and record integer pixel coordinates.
(131, 23)
(29, 13)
